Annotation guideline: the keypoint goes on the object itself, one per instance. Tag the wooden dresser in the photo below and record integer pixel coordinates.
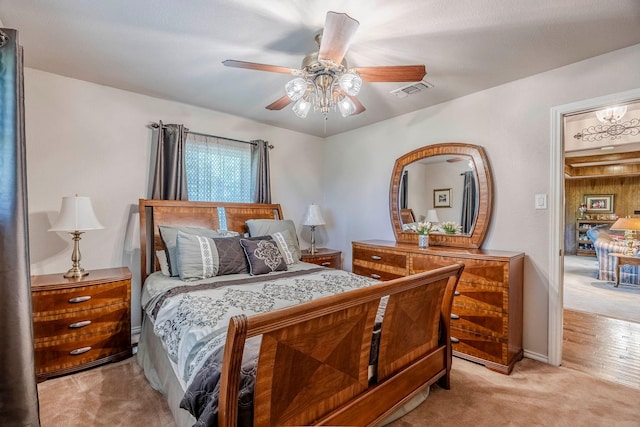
(81, 322)
(486, 320)
(325, 257)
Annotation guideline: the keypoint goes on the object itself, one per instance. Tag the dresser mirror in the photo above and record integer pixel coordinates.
(452, 181)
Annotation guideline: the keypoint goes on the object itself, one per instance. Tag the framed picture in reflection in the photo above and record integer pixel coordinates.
(442, 198)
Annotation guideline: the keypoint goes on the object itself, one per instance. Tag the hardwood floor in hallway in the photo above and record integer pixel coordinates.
(605, 347)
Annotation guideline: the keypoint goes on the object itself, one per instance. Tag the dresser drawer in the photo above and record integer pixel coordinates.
(490, 298)
(491, 323)
(478, 345)
(483, 272)
(69, 325)
(375, 273)
(385, 264)
(65, 354)
(48, 302)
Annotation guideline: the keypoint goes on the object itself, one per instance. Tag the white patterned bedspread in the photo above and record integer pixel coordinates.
(193, 325)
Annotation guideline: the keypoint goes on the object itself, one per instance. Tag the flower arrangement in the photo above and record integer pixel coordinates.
(450, 227)
(423, 227)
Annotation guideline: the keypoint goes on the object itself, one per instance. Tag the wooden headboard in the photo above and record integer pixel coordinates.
(154, 213)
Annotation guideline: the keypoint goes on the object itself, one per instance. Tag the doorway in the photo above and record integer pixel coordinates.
(557, 212)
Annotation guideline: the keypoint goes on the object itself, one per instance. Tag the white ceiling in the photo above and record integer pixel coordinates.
(173, 49)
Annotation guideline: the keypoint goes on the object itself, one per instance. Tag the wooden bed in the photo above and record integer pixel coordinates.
(313, 365)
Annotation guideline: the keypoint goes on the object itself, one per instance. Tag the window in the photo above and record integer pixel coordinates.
(218, 169)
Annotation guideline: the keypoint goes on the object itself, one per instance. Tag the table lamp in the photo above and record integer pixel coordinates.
(76, 216)
(313, 218)
(630, 227)
(432, 216)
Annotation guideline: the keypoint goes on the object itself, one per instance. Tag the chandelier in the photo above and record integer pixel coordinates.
(323, 85)
(612, 126)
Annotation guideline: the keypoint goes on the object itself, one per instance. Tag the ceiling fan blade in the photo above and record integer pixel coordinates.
(279, 104)
(397, 73)
(259, 67)
(339, 29)
(359, 107)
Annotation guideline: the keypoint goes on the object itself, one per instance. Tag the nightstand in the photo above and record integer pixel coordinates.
(325, 257)
(79, 323)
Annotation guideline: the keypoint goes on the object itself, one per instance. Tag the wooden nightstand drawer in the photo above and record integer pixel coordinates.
(325, 257)
(62, 356)
(47, 328)
(81, 298)
(82, 322)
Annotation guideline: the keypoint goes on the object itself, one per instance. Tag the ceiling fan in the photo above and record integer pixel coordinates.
(324, 81)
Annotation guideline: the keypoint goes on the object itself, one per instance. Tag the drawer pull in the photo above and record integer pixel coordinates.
(376, 257)
(326, 264)
(80, 350)
(454, 340)
(456, 293)
(79, 299)
(80, 324)
(375, 276)
(454, 316)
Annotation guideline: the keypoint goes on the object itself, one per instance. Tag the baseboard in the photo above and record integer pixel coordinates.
(136, 330)
(536, 356)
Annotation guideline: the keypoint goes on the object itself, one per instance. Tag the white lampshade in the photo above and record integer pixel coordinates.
(76, 214)
(313, 216)
(432, 216)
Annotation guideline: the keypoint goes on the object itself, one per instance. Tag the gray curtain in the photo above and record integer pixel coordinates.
(18, 392)
(404, 190)
(469, 197)
(169, 178)
(260, 169)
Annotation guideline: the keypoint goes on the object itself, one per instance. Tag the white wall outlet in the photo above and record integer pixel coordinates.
(541, 201)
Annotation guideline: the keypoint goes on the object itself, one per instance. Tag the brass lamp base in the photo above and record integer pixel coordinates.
(75, 272)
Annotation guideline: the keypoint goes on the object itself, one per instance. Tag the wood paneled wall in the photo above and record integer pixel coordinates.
(626, 191)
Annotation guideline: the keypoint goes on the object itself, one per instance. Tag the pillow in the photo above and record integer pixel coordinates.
(266, 227)
(263, 256)
(169, 234)
(232, 256)
(162, 260)
(196, 256)
(201, 257)
(288, 246)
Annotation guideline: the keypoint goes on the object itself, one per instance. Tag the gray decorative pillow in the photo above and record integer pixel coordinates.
(169, 236)
(267, 227)
(288, 246)
(197, 256)
(232, 256)
(263, 256)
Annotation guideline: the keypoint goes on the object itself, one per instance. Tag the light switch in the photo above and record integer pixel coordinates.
(541, 201)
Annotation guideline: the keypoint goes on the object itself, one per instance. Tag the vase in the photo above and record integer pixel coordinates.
(423, 240)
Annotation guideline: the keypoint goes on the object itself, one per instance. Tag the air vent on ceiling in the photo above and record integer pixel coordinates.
(411, 89)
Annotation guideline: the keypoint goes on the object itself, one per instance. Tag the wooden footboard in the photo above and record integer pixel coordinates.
(313, 367)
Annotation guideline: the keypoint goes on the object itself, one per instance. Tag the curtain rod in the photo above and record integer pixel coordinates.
(156, 126)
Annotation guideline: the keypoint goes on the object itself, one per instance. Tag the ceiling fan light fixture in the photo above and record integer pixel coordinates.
(351, 82)
(296, 88)
(301, 108)
(346, 106)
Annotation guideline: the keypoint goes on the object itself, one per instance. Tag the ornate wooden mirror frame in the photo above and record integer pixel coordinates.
(485, 194)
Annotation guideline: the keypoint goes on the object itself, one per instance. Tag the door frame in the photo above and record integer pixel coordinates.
(557, 206)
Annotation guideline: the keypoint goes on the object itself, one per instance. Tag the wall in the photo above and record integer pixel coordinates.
(626, 192)
(92, 140)
(512, 122)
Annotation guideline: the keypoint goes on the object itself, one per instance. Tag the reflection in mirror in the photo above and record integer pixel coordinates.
(450, 182)
(439, 189)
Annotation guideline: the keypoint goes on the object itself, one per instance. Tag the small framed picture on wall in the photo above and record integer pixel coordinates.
(442, 198)
(599, 203)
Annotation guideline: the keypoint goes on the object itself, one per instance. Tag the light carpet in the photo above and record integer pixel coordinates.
(535, 394)
(583, 292)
